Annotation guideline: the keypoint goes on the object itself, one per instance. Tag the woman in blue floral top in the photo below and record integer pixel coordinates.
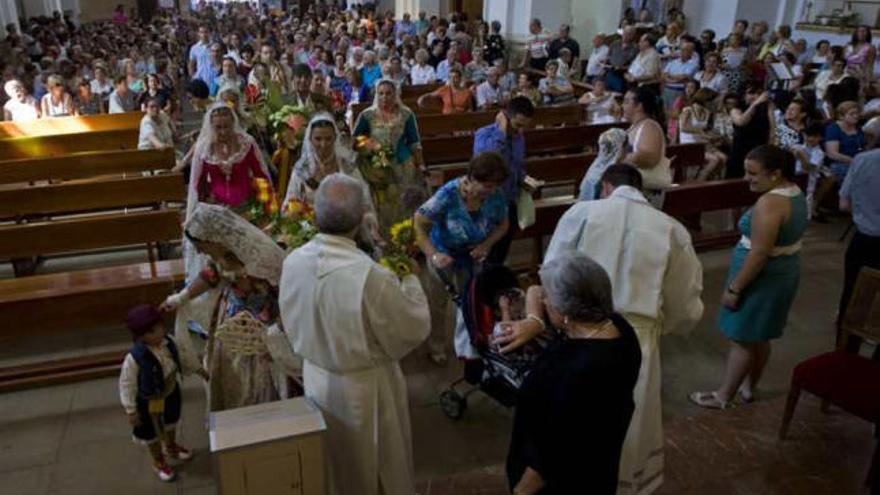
(457, 227)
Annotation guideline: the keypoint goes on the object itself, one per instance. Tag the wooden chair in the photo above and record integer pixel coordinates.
(845, 379)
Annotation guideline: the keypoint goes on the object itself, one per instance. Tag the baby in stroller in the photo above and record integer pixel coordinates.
(491, 296)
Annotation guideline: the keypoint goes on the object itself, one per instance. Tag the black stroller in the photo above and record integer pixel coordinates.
(498, 375)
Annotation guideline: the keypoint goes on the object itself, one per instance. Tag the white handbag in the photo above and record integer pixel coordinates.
(525, 209)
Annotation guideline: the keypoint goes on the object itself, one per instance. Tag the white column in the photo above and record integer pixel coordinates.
(8, 15)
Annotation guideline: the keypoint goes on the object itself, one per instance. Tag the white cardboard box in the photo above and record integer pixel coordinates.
(269, 449)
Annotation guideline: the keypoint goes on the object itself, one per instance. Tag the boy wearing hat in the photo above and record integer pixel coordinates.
(149, 389)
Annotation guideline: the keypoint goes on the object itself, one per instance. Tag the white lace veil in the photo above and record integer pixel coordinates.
(307, 165)
(261, 256)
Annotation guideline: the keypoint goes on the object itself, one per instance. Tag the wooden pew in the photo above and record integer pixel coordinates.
(87, 298)
(452, 149)
(569, 168)
(71, 125)
(409, 91)
(551, 116)
(63, 144)
(78, 197)
(689, 200)
(84, 165)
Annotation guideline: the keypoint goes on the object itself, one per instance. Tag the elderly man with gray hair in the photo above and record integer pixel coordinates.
(352, 321)
(860, 194)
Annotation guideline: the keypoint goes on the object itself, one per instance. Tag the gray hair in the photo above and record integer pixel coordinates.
(339, 204)
(872, 131)
(578, 287)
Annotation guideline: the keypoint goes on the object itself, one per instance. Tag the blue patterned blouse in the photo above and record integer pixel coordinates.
(457, 230)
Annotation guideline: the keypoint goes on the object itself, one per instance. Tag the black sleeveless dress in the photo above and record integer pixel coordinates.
(745, 139)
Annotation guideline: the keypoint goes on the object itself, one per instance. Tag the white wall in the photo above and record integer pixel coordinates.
(8, 15)
(759, 10)
(716, 15)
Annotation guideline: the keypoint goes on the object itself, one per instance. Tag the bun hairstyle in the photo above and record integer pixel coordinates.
(772, 157)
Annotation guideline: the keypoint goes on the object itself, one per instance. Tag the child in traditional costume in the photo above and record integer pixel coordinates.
(149, 389)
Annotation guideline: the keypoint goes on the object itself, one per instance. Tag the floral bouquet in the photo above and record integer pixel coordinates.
(295, 226)
(374, 162)
(289, 125)
(399, 252)
(262, 208)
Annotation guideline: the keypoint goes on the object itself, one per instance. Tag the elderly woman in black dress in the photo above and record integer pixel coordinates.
(574, 408)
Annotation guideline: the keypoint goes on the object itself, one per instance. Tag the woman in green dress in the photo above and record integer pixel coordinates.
(393, 125)
(763, 276)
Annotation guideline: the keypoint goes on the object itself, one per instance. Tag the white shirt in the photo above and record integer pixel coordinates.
(21, 112)
(161, 131)
(128, 376)
(646, 63)
(488, 95)
(654, 270)
(423, 74)
(101, 89)
(597, 58)
(718, 83)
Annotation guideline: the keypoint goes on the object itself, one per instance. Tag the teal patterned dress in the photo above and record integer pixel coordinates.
(765, 303)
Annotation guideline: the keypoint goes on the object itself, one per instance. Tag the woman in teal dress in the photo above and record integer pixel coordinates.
(764, 274)
(393, 125)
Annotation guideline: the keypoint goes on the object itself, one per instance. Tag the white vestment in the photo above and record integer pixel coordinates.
(656, 281)
(352, 320)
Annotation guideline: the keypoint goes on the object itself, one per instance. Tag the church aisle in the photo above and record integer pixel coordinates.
(57, 440)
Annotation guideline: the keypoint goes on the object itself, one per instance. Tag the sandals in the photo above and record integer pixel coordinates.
(710, 400)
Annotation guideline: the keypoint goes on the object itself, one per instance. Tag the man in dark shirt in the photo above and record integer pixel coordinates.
(621, 54)
(564, 41)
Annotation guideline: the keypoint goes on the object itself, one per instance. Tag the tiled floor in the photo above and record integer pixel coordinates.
(74, 439)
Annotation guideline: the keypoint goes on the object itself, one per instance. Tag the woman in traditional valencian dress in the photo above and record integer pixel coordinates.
(323, 154)
(393, 125)
(245, 267)
(225, 162)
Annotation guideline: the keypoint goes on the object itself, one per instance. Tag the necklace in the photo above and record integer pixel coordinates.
(592, 331)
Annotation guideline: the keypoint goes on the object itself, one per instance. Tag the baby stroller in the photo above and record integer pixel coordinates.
(498, 375)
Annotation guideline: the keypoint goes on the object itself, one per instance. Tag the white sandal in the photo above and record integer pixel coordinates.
(710, 400)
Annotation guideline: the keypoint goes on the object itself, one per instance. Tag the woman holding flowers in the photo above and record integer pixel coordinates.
(388, 141)
(243, 270)
(456, 229)
(227, 170)
(323, 154)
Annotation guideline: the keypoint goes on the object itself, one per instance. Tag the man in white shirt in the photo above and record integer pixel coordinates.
(595, 64)
(489, 93)
(352, 321)
(657, 280)
(421, 72)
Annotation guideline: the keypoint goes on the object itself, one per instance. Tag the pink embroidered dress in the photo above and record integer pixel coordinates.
(230, 183)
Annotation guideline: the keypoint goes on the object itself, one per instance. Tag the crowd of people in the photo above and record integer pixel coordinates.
(617, 275)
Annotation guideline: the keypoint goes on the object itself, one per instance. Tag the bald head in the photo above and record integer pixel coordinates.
(339, 205)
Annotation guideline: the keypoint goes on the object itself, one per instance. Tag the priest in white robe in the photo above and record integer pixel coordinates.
(352, 320)
(656, 280)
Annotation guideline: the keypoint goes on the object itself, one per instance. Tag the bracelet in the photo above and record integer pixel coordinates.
(734, 292)
(537, 319)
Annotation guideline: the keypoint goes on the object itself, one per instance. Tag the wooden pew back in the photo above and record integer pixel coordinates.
(63, 144)
(85, 165)
(452, 149)
(87, 233)
(71, 125)
(438, 124)
(79, 196)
